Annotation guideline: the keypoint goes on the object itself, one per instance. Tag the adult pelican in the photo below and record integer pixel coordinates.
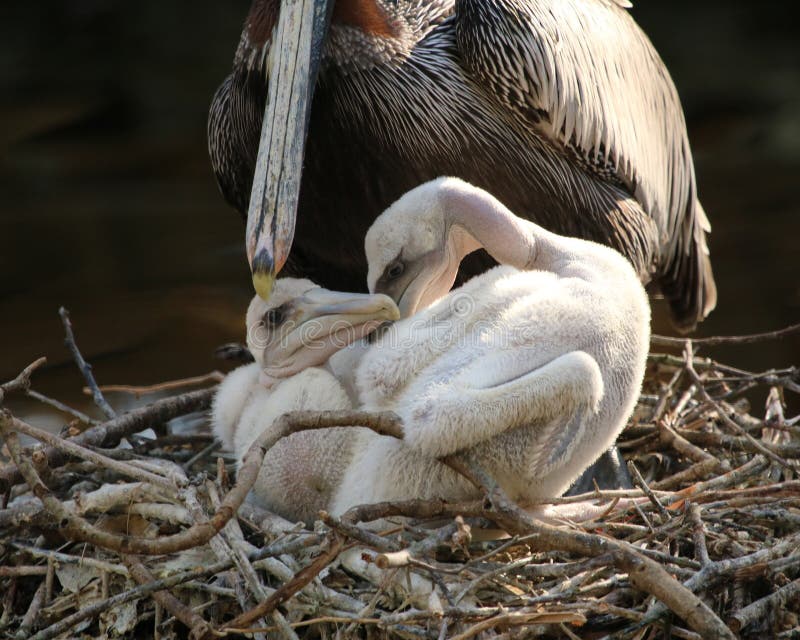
(561, 108)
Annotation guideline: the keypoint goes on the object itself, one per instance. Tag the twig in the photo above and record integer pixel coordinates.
(60, 406)
(111, 432)
(760, 608)
(643, 572)
(23, 381)
(288, 589)
(25, 570)
(65, 558)
(368, 538)
(518, 619)
(33, 612)
(79, 529)
(762, 448)
(85, 367)
(134, 594)
(720, 569)
(639, 480)
(138, 391)
(717, 340)
(699, 535)
(683, 446)
(7, 421)
(200, 455)
(401, 558)
(198, 626)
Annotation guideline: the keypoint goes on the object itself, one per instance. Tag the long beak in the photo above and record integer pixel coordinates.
(323, 323)
(295, 55)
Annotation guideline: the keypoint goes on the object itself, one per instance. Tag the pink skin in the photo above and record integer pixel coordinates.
(317, 324)
(318, 352)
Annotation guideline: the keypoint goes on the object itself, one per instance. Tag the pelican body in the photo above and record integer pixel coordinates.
(533, 367)
(562, 108)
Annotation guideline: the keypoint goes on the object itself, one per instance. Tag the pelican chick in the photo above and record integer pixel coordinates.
(535, 367)
(297, 330)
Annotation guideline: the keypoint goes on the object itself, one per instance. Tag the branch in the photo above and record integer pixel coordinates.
(288, 589)
(727, 419)
(7, 421)
(758, 610)
(171, 385)
(199, 627)
(644, 573)
(23, 381)
(109, 433)
(85, 367)
(668, 341)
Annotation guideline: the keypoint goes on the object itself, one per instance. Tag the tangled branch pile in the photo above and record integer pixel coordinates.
(155, 540)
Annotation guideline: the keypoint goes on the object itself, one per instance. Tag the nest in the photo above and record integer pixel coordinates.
(157, 540)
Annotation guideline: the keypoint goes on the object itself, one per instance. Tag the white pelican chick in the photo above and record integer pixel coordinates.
(298, 329)
(535, 367)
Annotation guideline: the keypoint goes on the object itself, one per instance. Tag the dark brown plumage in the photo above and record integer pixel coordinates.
(561, 108)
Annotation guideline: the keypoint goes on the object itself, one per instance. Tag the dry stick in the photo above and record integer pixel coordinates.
(23, 381)
(25, 570)
(741, 474)
(688, 356)
(65, 558)
(368, 538)
(25, 514)
(759, 609)
(639, 480)
(199, 627)
(85, 367)
(517, 619)
(78, 528)
(111, 432)
(288, 589)
(170, 385)
(699, 535)
(60, 406)
(229, 545)
(677, 441)
(186, 466)
(33, 612)
(643, 573)
(385, 423)
(720, 569)
(713, 439)
(49, 580)
(762, 448)
(144, 590)
(10, 422)
(395, 559)
(715, 340)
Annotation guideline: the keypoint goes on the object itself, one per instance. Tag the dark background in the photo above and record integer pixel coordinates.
(108, 204)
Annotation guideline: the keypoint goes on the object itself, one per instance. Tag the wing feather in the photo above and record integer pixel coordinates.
(585, 77)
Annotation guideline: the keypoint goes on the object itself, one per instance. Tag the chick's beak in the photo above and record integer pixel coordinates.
(325, 322)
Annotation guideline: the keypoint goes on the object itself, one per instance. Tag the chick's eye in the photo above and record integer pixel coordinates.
(395, 270)
(274, 316)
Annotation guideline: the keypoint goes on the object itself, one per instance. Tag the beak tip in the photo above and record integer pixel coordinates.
(263, 269)
(263, 283)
